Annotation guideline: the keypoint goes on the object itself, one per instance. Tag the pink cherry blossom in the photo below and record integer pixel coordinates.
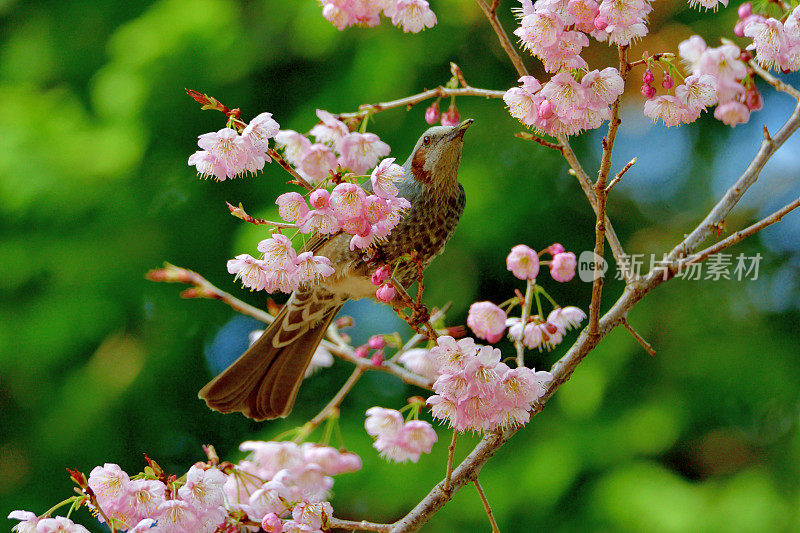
(732, 113)
(323, 221)
(338, 13)
(566, 317)
(419, 361)
(203, 488)
(381, 274)
(361, 151)
(769, 41)
(603, 86)
(109, 482)
(259, 131)
(384, 177)
(28, 521)
(319, 198)
(291, 206)
(523, 262)
(487, 321)
(269, 498)
(697, 92)
(59, 524)
(177, 516)
(347, 201)
(330, 131)
(562, 266)
(145, 497)
(375, 208)
(311, 268)
(383, 422)
(316, 163)
(250, 270)
(411, 15)
(666, 107)
(294, 145)
(418, 437)
(278, 252)
(313, 514)
(208, 165)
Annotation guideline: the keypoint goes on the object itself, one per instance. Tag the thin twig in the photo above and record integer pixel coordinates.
(526, 312)
(775, 82)
(239, 212)
(438, 92)
(535, 138)
(336, 401)
(646, 345)
(451, 450)
(298, 179)
(363, 525)
(205, 289)
(736, 237)
(502, 36)
(602, 196)
(418, 337)
(620, 174)
(486, 506)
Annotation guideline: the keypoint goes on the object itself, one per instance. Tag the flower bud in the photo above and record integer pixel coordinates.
(745, 10)
(648, 91)
(271, 523)
(432, 114)
(319, 198)
(556, 248)
(378, 358)
(451, 117)
(648, 77)
(753, 99)
(545, 109)
(380, 275)
(362, 351)
(666, 81)
(345, 322)
(376, 342)
(385, 293)
(738, 29)
(600, 22)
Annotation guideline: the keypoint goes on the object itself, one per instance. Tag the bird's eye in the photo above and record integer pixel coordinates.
(426, 140)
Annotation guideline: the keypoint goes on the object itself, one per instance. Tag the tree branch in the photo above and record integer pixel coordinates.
(440, 92)
(502, 36)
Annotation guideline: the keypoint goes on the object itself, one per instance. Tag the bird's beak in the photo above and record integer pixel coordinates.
(458, 131)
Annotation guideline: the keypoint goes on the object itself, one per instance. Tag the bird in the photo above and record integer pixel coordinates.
(263, 382)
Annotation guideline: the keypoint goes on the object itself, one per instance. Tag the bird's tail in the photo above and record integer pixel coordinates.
(263, 383)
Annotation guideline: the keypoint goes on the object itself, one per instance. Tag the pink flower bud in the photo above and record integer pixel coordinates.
(562, 267)
(648, 77)
(545, 109)
(378, 358)
(745, 10)
(271, 523)
(376, 342)
(385, 293)
(319, 198)
(345, 322)
(380, 275)
(451, 117)
(648, 91)
(362, 351)
(432, 114)
(600, 22)
(555, 248)
(753, 99)
(666, 81)
(738, 29)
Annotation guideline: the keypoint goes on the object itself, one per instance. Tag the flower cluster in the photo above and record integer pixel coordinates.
(540, 333)
(398, 440)
(278, 473)
(564, 105)
(226, 154)
(315, 161)
(368, 217)
(281, 268)
(476, 391)
(523, 262)
(409, 15)
(276, 479)
(723, 63)
(691, 98)
(777, 44)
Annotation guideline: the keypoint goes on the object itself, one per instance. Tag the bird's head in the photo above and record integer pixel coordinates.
(435, 159)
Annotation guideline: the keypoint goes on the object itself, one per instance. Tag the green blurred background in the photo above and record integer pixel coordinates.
(99, 365)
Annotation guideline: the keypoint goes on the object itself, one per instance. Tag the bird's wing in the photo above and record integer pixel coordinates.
(316, 242)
